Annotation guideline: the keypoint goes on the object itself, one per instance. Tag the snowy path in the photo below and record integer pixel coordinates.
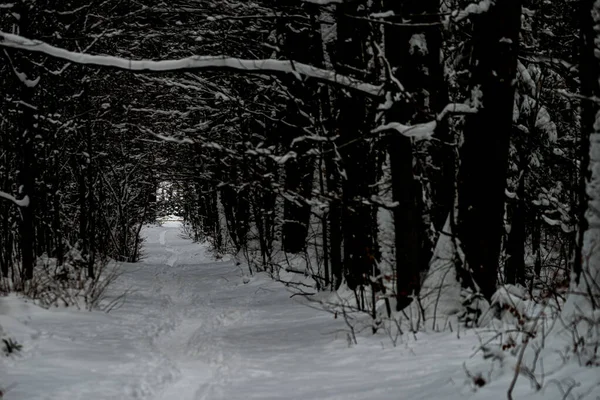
(191, 329)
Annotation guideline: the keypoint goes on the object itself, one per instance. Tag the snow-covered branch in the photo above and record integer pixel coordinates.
(418, 132)
(472, 9)
(425, 130)
(456, 108)
(24, 202)
(265, 66)
(170, 113)
(324, 2)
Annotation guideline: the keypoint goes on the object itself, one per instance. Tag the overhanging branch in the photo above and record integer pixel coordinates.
(265, 66)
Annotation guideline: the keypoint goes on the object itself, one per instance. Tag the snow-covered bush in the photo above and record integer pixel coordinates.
(69, 283)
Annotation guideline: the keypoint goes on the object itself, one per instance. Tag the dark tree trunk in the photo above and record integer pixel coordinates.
(406, 218)
(6, 242)
(325, 241)
(420, 71)
(91, 214)
(353, 127)
(589, 69)
(334, 217)
(7, 235)
(335, 243)
(302, 43)
(83, 212)
(332, 225)
(27, 180)
(237, 210)
(56, 221)
(484, 155)
(92, 231)
(514, 270)
(27, 147)
(216, 221)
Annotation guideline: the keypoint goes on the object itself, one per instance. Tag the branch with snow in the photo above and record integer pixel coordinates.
(426, 130)
(24, 202)
(384, 14)
(472, 9)
(21, 75)
(418, 132)
(264, 66)
(325, 2)
(456, 108)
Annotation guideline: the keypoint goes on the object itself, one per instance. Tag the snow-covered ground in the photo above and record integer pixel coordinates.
(192, 328)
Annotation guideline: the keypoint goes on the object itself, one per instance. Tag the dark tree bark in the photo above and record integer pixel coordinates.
(6, 235)
(484, 155)
(417, 66)
(353, 127)
(584, 295)
(27, 148)
(236, 208)
(514, 270)
(589, 69)
(334, 219)
(302, 43)
(332, 224)
(83, 203)
(7, 248)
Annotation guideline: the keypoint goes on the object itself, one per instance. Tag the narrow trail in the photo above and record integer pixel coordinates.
(187, 338)
(223, 339)
(192, 328)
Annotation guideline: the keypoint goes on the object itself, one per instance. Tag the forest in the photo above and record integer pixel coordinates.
(407, 167)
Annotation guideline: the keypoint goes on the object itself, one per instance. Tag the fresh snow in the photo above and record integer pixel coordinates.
(195, 328)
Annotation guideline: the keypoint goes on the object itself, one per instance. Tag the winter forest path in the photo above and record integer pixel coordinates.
(191, 329)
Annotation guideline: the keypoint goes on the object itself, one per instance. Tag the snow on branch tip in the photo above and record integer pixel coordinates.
(264, 66)
(24, 202)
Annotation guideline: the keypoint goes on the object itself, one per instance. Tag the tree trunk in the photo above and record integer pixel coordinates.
(353, 126)
(514, 270)
(585, 285)
(301, 43)
(27, 147)
(83, 211)
(590, 72)
(410, 52)
(334, 217)
(332, 226)
(484, 155)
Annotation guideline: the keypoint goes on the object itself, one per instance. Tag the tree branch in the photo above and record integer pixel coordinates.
(24, 202)
(265, 66)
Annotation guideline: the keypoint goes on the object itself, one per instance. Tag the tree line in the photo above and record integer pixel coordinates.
(341, 141)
